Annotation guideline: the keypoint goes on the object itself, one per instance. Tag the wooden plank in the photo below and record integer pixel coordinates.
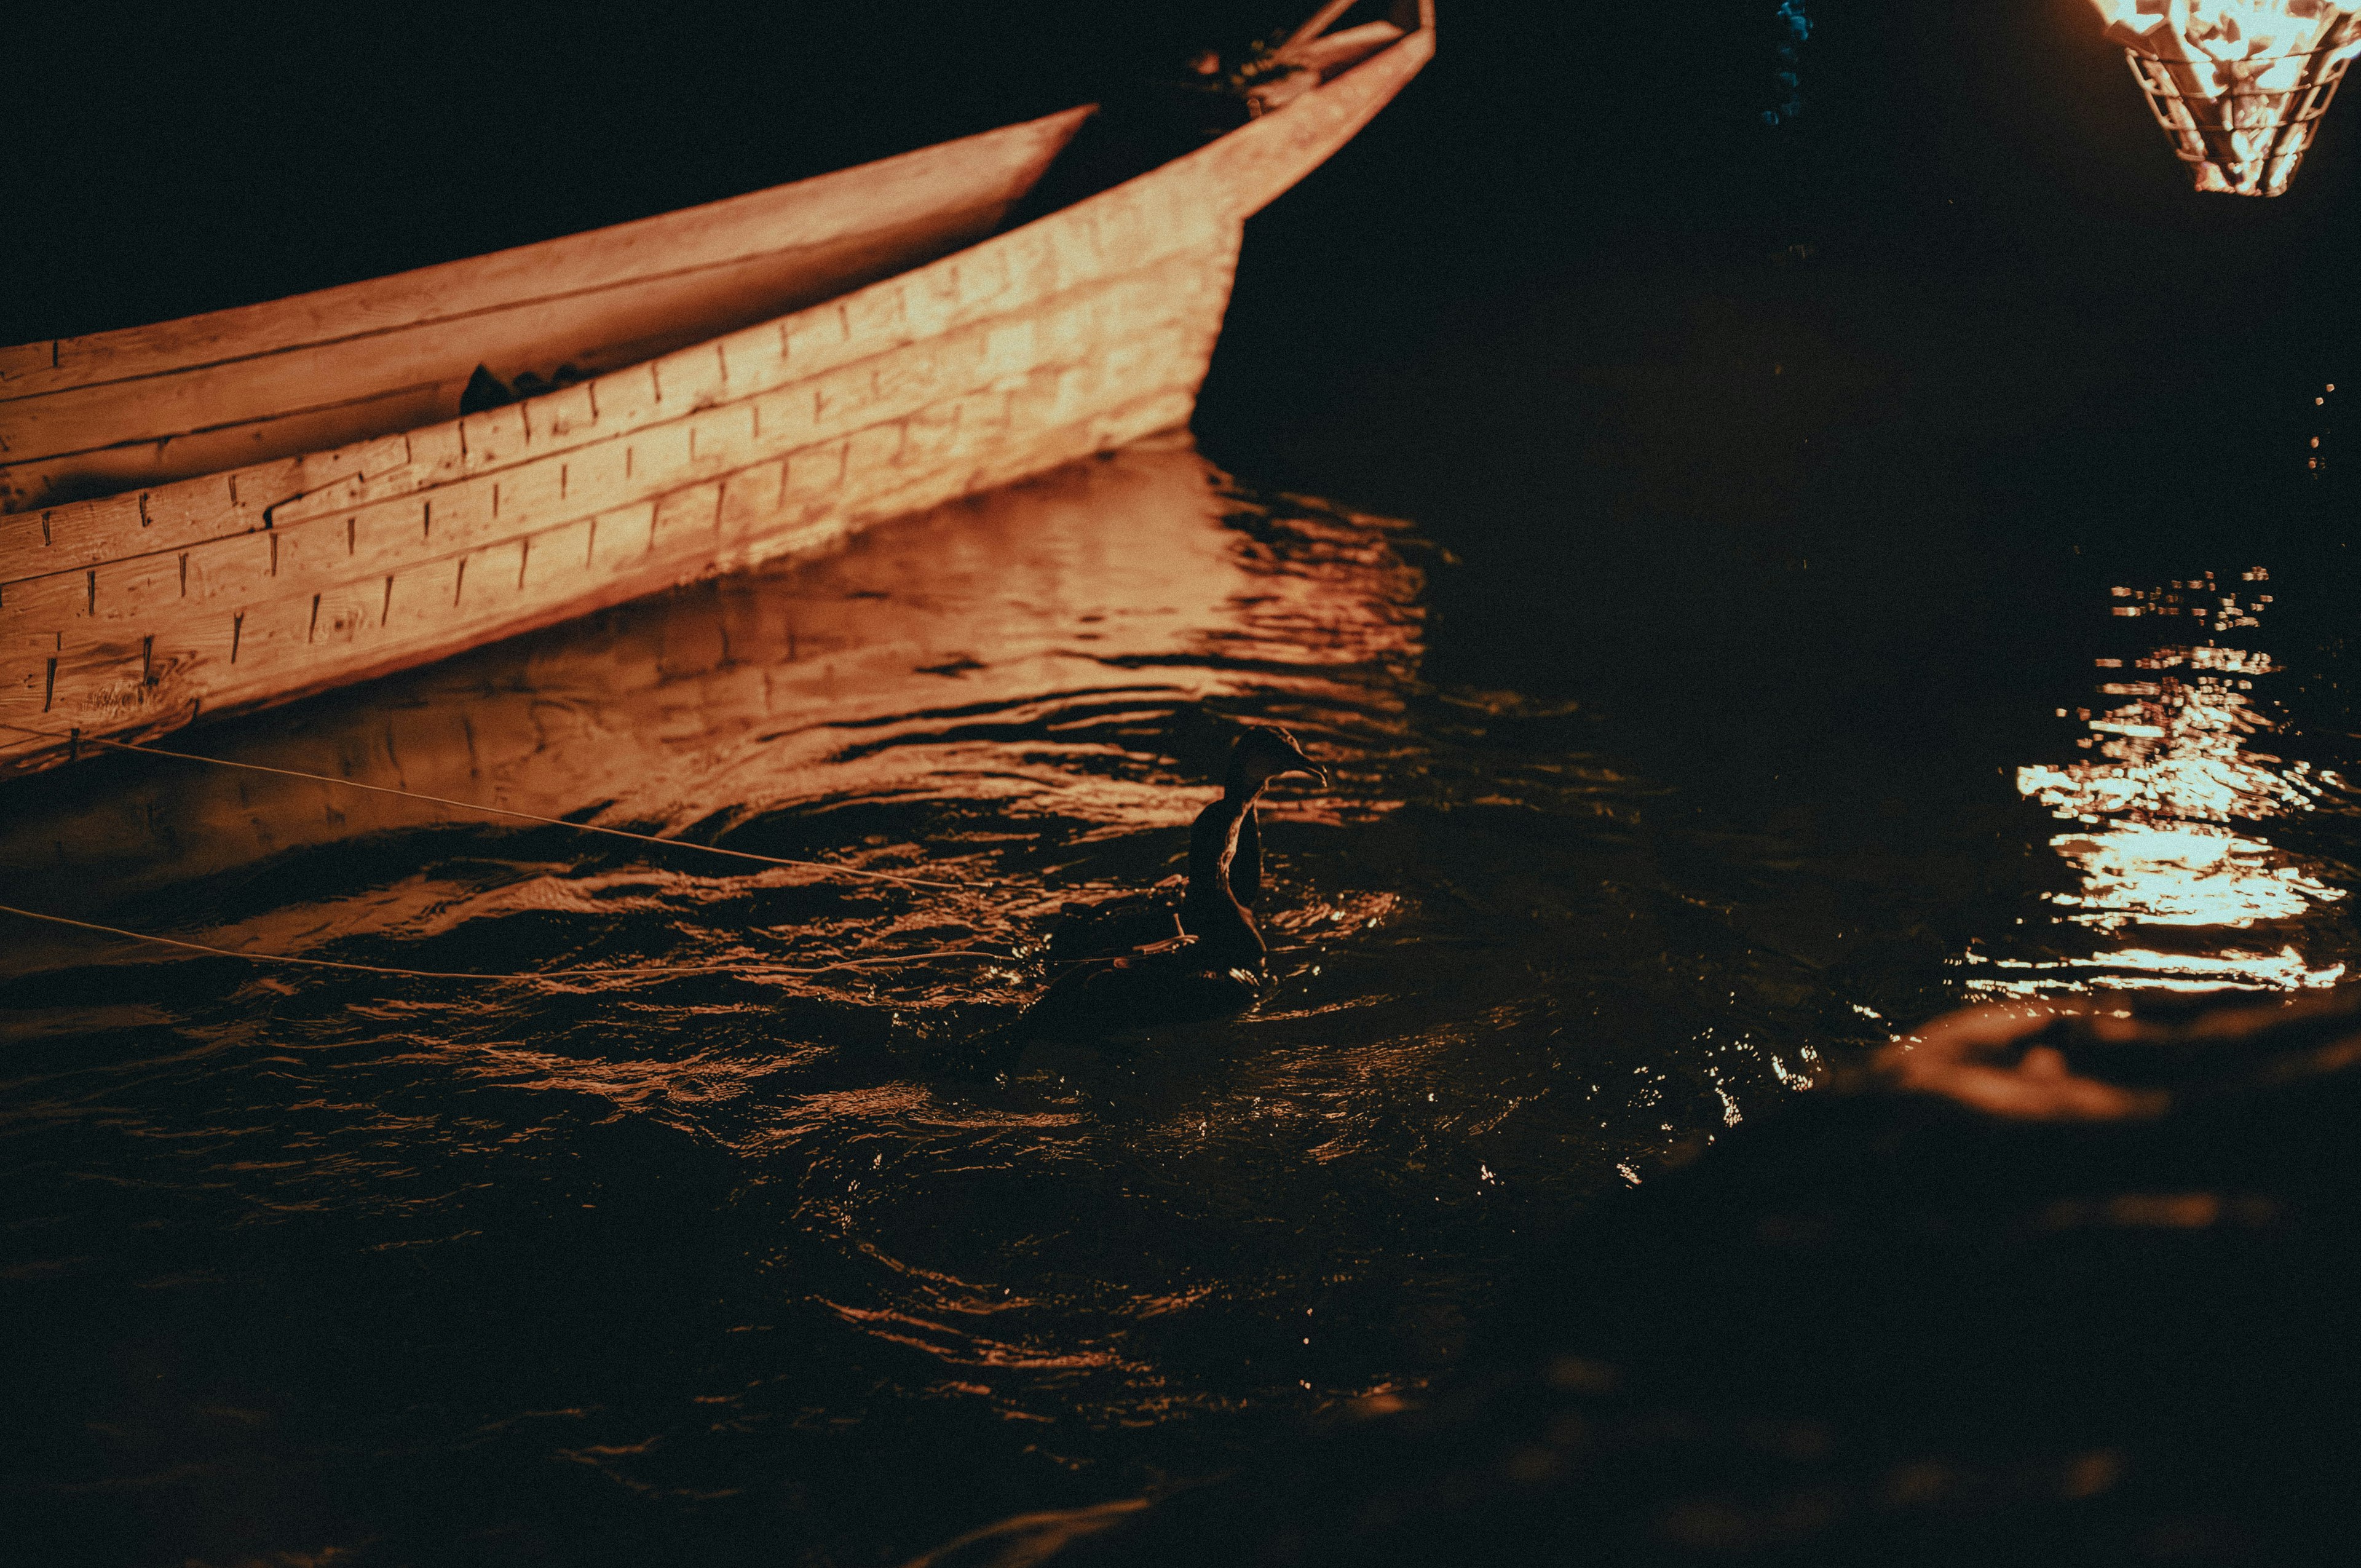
(115, 431)
(122, 434)
(886, 194)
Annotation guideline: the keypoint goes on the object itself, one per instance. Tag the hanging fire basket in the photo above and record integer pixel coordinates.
(2239, 85)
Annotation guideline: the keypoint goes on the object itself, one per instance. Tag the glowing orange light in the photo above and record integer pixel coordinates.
(2239, 85)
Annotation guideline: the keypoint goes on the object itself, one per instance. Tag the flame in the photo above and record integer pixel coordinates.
(2240, 86)
(2165, 814)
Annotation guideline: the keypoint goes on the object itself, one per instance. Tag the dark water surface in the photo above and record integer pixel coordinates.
(309, 1265)
(420, 1269)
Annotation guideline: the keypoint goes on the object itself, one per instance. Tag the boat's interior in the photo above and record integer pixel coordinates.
(117, 411)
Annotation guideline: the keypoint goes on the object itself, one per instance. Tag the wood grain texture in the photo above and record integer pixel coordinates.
(131, 615)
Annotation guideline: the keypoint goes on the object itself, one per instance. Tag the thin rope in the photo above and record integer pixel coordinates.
(494, 810)
(743, 968)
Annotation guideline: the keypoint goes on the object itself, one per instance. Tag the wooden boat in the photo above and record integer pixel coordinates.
(284, 498)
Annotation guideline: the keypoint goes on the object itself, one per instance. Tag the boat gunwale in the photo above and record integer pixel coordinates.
(516, 255)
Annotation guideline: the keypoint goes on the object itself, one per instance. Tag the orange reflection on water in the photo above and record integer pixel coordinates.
(1044, 651)
(2167, 810)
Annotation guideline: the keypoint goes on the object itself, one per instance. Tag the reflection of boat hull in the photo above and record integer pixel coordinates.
(128, 616)
(971, 651)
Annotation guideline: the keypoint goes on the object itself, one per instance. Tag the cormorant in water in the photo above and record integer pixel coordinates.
(1213, 965)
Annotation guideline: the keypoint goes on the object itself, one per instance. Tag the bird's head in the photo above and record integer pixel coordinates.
(1265, 753)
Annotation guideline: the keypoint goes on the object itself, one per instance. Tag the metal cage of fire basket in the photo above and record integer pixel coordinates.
(2238, 134)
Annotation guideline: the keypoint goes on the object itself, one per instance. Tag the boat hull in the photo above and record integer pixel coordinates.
(129, 616)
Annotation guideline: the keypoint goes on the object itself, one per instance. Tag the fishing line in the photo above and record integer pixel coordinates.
(496, 810)
(740, 968)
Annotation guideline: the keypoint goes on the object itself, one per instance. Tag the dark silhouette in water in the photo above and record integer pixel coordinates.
(1213, 963)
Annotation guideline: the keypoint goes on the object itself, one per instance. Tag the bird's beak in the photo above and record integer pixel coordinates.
(1308, 768)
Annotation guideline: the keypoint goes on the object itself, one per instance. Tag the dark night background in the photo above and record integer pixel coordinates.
(1801, 456)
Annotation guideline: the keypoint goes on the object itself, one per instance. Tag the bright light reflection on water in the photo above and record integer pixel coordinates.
(2168, 811)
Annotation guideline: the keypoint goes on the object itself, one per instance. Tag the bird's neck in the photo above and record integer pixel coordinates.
(1215, 915)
